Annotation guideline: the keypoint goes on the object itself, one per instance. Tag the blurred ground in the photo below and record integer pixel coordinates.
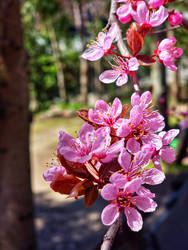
(65, 224)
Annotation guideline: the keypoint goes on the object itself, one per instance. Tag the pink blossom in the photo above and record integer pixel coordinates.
(142, 125)
(120, 72)
(143, 16)
(102, 45)
(167, 52)
(122, 197)
(90, 143)
(165, 152)
(175, 18)
(138, 167)
(156, 3)
(124, 11)
(105, 114)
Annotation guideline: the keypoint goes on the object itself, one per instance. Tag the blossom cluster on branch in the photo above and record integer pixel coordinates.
(119, 148)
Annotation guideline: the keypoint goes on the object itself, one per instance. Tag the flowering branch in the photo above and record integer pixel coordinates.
(111, 234)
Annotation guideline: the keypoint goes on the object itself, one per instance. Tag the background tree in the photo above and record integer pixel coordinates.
(16, 209)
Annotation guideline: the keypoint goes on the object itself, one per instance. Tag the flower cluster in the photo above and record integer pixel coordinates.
(145, 15)
(117, 153)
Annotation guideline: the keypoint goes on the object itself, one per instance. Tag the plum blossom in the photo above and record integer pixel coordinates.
(167, 52)
(137, 168)
(175, 18)
(142, 15)
(165, 152)
(102, 45)
(90, 143)
(120, 72)
(142, 125)
(122, 196)
(105, 114)
(124, 11)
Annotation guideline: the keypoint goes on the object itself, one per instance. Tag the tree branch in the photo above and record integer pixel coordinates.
(111, 234)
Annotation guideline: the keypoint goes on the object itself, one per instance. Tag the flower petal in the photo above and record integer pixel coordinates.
(118, 179)
(133, 146)
(109, 214)
(167, 154)
(122, 80)
(169, 136)
(124, 160)
(134, 219)
(109, 192)
(144, 203)
(109, 76)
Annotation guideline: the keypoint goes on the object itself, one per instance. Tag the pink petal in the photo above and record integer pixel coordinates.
(133, 64)
(142, 158)
(178, 52)
(142, 191)
(142, 13)
(153, 139)
(170, 65)
(135, 99)
(109, 76)
(101, 106)
(133, 185)
(51, 173)
(124, 160)
(156, 162)
(146, 97)
(167, 43)
(122, 80)
(134, 219)
(136, 115)
(158, 17)
(167, 154)
(169, 136)
(122, 126)
(85, 130)
(113, 30)
(116, 108)
(113, 150)
(119, 180)
(144, 203)
(109, 214)
(107, 43)
(133, 146)
(109, 192)
(93, 53)
(153, 176)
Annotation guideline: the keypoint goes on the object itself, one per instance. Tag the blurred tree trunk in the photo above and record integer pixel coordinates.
(59, 66)
(16, 208)
(79, 13)
(99, 86)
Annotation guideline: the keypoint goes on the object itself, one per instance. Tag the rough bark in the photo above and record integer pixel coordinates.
(16, 209)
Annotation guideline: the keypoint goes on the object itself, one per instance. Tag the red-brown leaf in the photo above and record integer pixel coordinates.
(64, 184)
(75, 168)
(91, 195)
(145, 60)
(135, 41)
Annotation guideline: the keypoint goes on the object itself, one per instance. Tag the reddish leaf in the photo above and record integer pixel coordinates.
(145, 60)
(107, 169)
(64, 184)
(91, 195)
(75, 168)
(124, 110)
(80, 188)
(83, 113)
(135, 41)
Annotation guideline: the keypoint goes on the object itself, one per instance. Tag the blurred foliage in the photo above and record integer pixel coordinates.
(38, 15)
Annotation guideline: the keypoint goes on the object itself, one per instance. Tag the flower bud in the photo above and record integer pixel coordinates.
(175, 18)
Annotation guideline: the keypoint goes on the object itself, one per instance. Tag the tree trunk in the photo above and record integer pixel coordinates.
(16, 209)
(80, 20)
(59, 66)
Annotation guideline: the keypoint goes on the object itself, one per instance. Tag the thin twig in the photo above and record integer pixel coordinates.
(166, 30)
(111, 234)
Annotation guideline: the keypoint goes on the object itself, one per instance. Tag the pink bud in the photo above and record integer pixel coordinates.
(156, 3)
(175, 18)
(150, 148)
